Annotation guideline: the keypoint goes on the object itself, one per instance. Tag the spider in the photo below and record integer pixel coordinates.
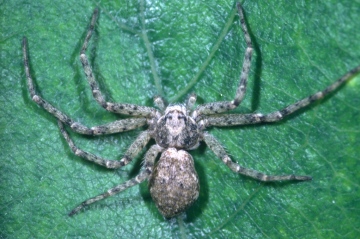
(176, 129)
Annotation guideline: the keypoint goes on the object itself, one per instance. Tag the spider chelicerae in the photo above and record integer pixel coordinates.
(176, 128)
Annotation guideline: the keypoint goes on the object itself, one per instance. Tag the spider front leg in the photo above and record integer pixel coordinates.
(219, 151)
(243, 119)
(127, 109)
(114, 127)
(144, 175)
(132, 151)
(219, 107)
(160, 103)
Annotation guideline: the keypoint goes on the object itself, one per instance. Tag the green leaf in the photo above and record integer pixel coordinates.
(300, 48)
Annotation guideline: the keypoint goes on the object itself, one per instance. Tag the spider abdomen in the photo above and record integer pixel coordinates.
(174, 183)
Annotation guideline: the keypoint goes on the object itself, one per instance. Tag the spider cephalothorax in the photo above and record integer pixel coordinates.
(176, 129)
(173, 182)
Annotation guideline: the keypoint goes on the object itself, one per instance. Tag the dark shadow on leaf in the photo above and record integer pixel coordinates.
(26, 94)
(256, 97)
(199, 206)
(79, 76)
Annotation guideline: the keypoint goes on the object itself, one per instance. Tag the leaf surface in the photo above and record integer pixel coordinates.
(300, 48)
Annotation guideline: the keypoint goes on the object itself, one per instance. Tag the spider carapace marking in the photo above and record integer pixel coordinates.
(176, 129)
(173, 182)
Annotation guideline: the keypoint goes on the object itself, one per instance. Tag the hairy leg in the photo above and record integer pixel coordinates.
(133, 150)
(144, 175)
(121, 108)
(219, 107)
(219, 151)
(243, 119)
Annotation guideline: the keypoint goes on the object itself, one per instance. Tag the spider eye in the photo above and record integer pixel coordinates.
(169, 117)
(182, 117)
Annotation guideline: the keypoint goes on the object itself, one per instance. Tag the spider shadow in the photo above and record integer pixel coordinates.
(82, 85)
(79, 77)
(255, 101)
(200, 204)
(27, 98)
(256, 67)
(26, 94)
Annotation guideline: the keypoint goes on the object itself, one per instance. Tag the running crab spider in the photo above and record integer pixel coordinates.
(176, 129)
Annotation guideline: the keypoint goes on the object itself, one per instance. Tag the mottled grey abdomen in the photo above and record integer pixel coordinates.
(174, 184)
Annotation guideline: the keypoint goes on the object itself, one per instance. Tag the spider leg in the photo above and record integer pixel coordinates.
(219, 151)
(118, 126)
(243, 119)
(132, 151)
(114, 127)
(190, 102)
(127, 109)
(144, 175)
(160, 103)
(219, 107)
